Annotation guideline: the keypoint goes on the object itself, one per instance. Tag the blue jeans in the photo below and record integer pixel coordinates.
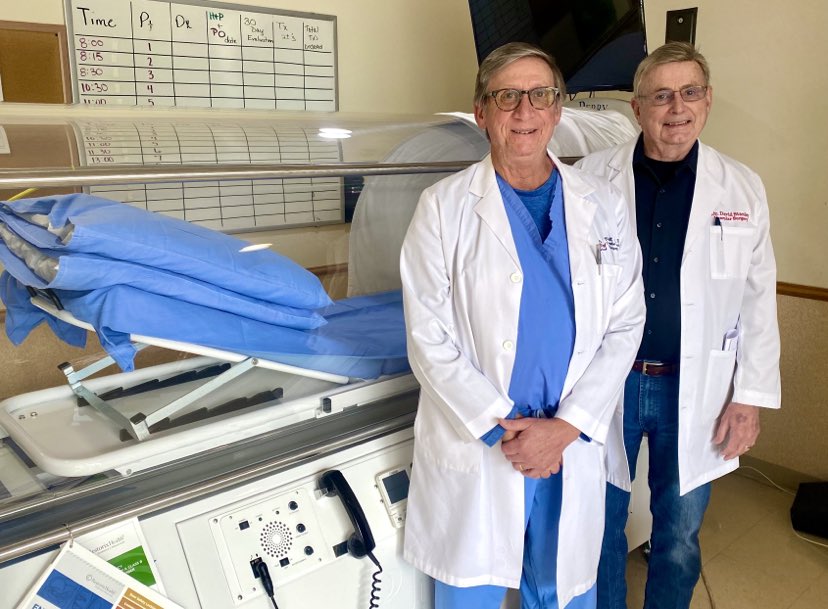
(651, 407)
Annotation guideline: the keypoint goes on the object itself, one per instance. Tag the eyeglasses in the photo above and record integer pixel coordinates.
(690, 94)
(541, 98)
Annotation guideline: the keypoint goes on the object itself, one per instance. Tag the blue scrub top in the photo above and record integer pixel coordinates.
(546, 325)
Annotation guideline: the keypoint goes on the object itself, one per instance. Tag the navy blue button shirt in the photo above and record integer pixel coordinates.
(663, 196)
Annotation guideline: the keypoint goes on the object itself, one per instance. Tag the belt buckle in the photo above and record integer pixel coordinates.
(646, 365)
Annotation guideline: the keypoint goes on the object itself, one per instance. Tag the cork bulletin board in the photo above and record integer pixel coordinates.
(34, 65)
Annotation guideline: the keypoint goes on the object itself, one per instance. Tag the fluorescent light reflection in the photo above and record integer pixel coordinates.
(254, 247)
(333, 133)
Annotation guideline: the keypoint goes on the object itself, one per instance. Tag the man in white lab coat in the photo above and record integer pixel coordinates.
(523, 306)
(709, 358)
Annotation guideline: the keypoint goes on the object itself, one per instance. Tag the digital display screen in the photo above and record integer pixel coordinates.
(596, 43)
(396, 485)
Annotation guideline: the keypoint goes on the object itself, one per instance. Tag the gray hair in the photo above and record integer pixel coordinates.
(672, 52)
(505, 55)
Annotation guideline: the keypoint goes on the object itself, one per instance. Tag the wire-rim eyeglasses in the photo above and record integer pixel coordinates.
(689, 94)
(541, 98)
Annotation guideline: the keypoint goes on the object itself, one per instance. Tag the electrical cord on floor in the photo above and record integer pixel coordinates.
(707, 589)
(794, 531)
(375, 588)
(813, 541)
(263, 573)
(788, 492)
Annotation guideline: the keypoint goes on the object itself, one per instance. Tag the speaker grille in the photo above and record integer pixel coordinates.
(276, 539)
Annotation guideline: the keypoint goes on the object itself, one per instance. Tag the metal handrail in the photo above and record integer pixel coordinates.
(139, 174)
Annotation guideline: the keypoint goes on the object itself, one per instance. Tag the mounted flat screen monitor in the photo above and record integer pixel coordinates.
(597, 43)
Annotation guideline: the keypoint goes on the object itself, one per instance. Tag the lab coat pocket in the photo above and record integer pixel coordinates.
(718, 382)
(608, 283)
(731, 248)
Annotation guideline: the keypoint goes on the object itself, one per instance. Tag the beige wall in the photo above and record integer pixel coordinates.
(770, 90)
(796, 437)
(399, 56)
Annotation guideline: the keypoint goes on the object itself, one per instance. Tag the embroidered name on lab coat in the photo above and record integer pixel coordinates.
(738, 216)
(609, 243)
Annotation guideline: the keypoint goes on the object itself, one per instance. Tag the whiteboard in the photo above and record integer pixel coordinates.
(200, 54)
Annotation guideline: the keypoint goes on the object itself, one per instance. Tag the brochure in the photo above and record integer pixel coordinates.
(124, 546)
(79, 579)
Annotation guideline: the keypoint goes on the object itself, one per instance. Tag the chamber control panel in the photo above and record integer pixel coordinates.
(393, 487)
(305, 529)
(283, 531)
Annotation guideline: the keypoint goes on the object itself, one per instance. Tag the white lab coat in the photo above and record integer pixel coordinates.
(728, 302)
(462, 283)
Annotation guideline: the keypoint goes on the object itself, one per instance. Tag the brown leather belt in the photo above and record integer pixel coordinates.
(654, 368)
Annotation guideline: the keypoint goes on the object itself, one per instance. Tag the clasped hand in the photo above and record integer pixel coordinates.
(535, 446)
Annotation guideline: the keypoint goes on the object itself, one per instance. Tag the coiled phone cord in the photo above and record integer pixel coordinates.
(375, 588)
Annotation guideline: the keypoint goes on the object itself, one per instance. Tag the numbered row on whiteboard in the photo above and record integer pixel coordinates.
(107, 50)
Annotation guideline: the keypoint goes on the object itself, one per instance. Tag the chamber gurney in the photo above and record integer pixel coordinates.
(176, 409)
(306, 371)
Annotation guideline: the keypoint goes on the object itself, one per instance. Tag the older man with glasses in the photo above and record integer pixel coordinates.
(523, 306)
(709, 358)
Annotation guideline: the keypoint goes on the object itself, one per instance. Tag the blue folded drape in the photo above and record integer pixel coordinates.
(128, 271)
(85, 272)
(84, 224)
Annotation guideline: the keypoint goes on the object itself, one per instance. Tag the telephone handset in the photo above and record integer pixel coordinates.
(361, 543)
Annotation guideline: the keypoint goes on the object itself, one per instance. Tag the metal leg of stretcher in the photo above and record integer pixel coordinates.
(143, 423)
(73, 375)
(80, 390)
(139, 425)
(75, 378)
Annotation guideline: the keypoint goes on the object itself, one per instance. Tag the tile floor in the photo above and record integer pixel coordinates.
(751, 557)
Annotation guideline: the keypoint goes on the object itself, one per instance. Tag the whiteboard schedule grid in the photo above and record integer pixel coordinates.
(201, 54)
(235, 205)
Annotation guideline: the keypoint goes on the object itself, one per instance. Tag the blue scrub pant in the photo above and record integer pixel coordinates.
(538, 589)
